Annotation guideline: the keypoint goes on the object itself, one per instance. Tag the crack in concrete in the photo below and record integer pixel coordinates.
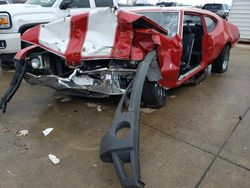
(221, 148)
(201, 149)
(232, 162)
(176, 138)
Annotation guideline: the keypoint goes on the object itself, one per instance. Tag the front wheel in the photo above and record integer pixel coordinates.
(220, 65)
(153, 96)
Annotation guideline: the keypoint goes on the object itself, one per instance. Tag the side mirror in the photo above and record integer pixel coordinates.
(66, 4)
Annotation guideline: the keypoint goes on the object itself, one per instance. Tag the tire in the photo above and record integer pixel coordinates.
(220, 65)
(7, 60)
(153, 96)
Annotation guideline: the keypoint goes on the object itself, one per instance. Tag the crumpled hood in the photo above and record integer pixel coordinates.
(98, 34)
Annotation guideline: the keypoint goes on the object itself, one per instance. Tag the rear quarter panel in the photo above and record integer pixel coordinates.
(223, 33)
(232, 32)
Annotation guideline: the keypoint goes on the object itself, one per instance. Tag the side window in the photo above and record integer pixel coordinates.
(103, 3)
(192, 20)
(80, 4)
(210, 24)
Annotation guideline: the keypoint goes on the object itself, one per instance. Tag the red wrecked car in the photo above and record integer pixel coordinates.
(138, 54)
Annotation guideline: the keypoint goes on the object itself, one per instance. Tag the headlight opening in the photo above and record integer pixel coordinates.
(5, 20)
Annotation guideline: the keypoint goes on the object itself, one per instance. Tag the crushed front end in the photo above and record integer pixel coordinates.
(94, 78)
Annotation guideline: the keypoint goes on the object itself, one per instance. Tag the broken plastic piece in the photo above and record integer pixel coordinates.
(121, 151)
(147, 110)
(54, 159)
(99, 108)
(92, 105)
(22, 133)
(66, 99)
(21, 68)
(47, 131)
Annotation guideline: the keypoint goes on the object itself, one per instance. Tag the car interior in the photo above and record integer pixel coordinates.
(192, 43)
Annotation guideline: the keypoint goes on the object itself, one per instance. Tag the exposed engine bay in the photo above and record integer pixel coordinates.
(105, 77)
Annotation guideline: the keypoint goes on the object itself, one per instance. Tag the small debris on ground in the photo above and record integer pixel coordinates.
(19, 144)
(65, 99)
(5, 129)
(22, 133)
(99, 108)
(11, 173)
(58, 97)
(92, 105)
(147, 110)
(54, 159)
(172, 96)
(47, 131)
(245, 149)
(240, 117)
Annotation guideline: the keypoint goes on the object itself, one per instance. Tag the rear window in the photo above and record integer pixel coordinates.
(167, 20)
(192, 20)
(210, 24)
(80, 4)
(213, 6)
(104, 3)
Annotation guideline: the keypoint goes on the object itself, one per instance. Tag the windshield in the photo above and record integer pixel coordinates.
(167, 20)
(43, 3)
(213, 6)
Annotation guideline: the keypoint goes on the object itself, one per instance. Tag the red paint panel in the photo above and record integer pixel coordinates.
(123, 39)
(169, 55)
(22, 54)
(142, 44)
(78, 30)
(32, 35)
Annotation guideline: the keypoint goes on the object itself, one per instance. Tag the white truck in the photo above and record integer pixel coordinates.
(15, 19)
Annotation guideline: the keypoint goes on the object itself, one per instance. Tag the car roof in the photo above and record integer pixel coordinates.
(215, 4)
(170, 9)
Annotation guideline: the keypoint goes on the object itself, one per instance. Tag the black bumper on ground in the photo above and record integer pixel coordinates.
(126, 150)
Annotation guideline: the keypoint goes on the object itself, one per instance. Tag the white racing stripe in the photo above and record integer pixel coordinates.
(56, 35)
(101, 32)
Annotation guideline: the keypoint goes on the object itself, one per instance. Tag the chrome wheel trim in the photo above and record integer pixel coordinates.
(161, 94)
(226, 60)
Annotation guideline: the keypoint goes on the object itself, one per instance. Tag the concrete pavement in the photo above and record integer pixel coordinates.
(196, 140)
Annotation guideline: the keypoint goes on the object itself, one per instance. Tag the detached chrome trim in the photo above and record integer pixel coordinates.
(188, 73)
